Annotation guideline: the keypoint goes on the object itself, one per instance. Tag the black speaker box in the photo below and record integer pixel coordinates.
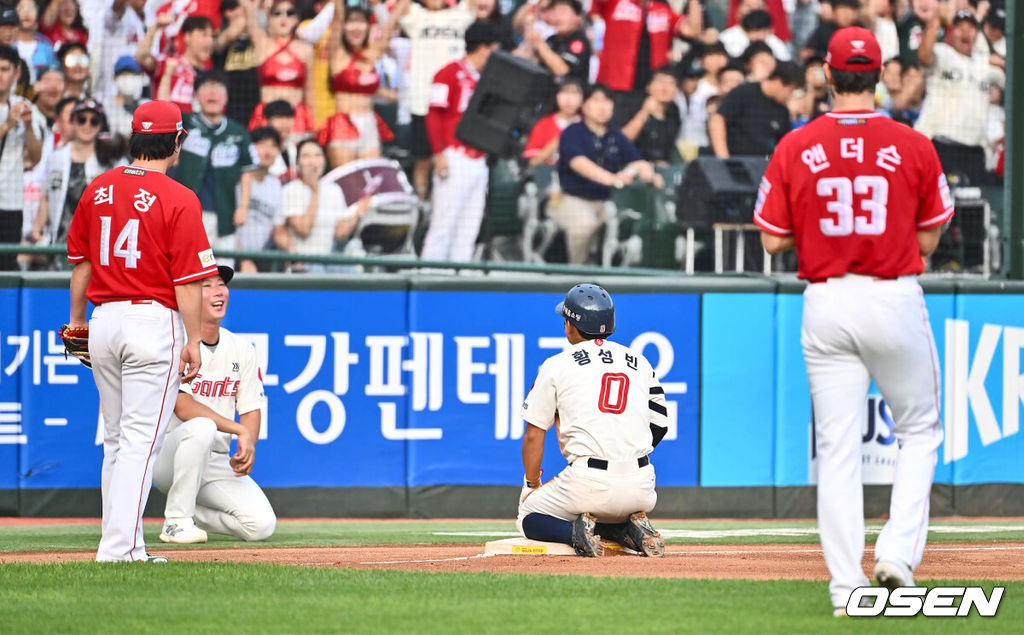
(719, 190)
(964, 165)
(511, 95)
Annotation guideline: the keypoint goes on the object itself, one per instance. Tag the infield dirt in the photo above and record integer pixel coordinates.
(963, 561)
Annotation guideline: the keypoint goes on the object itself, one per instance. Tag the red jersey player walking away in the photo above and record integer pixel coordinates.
(460, 171)
(140, 251)
(863, 199)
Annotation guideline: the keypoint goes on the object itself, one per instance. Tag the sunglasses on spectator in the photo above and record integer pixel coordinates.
(83, 120)
(287, 12)
(76, 59)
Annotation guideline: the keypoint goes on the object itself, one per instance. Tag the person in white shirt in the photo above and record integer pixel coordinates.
(756, 26)
(20, 147)
(261, 224)
(609, 413)
(436, 34)
(958, 82)
(124, 29)
(879, 18)
(208, 489)
(315, 211)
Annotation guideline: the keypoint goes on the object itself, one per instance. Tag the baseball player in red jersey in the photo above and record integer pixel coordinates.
(140, 251)
(863, 200)
(460, 171)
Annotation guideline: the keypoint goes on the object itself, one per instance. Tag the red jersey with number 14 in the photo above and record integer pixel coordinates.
(853, 189)
(143, 233)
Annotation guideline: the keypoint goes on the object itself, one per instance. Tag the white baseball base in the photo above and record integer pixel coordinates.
(527, 547)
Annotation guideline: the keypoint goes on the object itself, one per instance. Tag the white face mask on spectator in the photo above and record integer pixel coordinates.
(130, 85)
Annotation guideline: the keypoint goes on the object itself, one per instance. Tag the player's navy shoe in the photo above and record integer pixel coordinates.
(583, 539)
(641, 537)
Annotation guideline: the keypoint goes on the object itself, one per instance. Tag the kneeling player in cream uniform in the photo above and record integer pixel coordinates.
(609, 412)
(208, 490)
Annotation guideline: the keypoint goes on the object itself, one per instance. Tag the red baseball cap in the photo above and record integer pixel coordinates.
(157, 116)
(854, 49)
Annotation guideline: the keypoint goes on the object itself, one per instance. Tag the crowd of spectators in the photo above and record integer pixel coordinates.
(276, 93)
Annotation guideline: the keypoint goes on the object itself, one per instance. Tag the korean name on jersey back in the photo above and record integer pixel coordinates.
(854, 188)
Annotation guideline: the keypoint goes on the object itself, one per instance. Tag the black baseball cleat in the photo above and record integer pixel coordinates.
(583, 539)
(641, 537)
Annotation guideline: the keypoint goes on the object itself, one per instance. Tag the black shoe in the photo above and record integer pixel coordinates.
(583, 539)
(641, 537)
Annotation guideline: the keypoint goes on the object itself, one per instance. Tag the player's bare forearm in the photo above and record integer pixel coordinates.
(928, 240)
(533, 452)
(79, 283)
(776, 244)
(245, 454)
(186, 407)
(251, 422)
(190, 299)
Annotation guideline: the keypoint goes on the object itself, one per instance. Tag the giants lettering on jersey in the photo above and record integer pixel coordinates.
(226, 387)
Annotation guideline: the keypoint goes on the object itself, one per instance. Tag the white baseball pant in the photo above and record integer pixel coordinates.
(135, 350)
(856, 328)
(200, 484)
(610, 495)
(456, 209)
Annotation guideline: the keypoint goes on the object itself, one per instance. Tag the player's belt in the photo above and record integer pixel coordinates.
(873, 278)
(602, 464)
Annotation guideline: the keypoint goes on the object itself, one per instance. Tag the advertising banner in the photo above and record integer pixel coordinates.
(364, 388)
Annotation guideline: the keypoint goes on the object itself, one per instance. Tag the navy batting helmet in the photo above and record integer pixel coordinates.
(590, 309)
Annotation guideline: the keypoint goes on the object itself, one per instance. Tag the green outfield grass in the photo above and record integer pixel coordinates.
(330, 533)
(224, 598)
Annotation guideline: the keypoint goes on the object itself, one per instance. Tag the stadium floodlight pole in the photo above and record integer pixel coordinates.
(1013, 192)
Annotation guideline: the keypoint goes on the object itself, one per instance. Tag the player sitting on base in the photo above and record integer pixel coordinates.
(208, 490)
(609, 412)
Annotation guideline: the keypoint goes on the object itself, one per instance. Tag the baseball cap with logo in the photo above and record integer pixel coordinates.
(8, 17)
(965, 16)
(854, 49)
(156, 117)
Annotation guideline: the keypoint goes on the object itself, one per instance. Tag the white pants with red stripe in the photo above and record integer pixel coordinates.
(856, 329)
(456, 209)
(135, 351)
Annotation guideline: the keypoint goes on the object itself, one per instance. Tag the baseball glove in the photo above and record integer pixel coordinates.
(76, 342)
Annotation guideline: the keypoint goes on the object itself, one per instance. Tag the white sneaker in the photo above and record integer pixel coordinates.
(182, 531)
(892, 574)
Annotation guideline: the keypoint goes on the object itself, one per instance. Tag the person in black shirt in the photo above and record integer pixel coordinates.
(753, 117)
(844, 14)
(567, 52)
(654, 128)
